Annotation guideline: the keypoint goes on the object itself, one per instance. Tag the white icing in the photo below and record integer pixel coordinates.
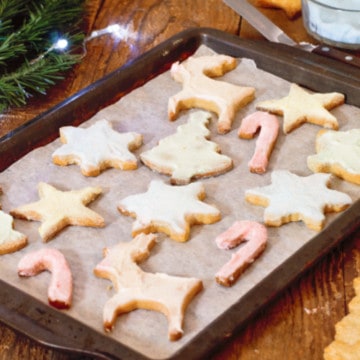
(339, 147)
(7, 234)
(291, 194)
(188, 153)
(96, 144)
(169, 206)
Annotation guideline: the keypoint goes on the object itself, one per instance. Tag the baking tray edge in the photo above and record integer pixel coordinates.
(54, 328)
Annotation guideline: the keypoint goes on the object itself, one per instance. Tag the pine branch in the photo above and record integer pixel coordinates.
(42, 19)
(16, 88)
(28, 29)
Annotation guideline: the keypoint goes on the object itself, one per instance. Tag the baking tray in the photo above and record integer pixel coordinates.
(54, 328)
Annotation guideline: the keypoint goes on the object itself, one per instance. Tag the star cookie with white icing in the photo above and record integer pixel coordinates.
(201, 91)
(338, 152)
(294, 198)
(300, 106)
(57, 209)
(96, 148)
(169, 209)
(188, 154)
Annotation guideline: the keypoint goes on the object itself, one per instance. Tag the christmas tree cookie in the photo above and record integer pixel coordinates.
(188, 154)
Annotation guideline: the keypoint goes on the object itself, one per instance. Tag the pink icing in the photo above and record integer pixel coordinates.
(255, 235)
(269, 130)
(60, 288)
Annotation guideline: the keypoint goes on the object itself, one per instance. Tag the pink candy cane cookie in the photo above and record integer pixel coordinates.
(256, 236)
(269, 130)
(60, 288)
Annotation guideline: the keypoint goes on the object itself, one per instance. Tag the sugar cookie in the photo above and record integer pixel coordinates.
(293, 198)
(169, 209)
(96, 148)
(188, 154)
(269, 131)
(292, 8)
(200, 91)
(346, 344)
(255, 235)
(10, 239)
(58, 209)
(137, 289)
(299, 106)
(338, 152)
(60, 288)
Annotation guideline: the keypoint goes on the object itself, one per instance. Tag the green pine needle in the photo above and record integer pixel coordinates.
(28, 28)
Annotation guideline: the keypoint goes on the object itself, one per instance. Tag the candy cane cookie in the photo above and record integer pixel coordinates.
(269, 131)
(60, 288)
(255, 235)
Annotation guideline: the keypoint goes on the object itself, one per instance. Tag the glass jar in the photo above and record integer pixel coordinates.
(333, 22)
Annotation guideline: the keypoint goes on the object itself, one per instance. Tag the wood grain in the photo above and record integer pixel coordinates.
(299, 323)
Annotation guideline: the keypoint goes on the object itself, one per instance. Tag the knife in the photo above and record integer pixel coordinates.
(273, 33)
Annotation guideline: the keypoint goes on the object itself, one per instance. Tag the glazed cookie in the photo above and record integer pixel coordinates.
(60, 287)
(255, 237)
(137, 289)
(188, 154)
(293, 198)
(201, 91)
(300, 106)
(96, 148)
(10, 239)
(338, 152)
(169, 209)
(269, 131)
(58, 209)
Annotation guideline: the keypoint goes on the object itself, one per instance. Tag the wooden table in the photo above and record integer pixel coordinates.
(299, 323)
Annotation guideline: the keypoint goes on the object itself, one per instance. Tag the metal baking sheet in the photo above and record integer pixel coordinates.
(55, 328)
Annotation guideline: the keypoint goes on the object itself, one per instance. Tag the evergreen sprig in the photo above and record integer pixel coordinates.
(28, 29)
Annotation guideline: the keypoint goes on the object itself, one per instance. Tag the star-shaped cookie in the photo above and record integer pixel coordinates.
(292, 8)
(300, 106)
(293, 198)
(58, 209)
(96, 148)
(10, 239)
(338, 152)
(169, 209)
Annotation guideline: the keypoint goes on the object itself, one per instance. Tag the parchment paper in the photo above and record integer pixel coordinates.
(144, 110)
